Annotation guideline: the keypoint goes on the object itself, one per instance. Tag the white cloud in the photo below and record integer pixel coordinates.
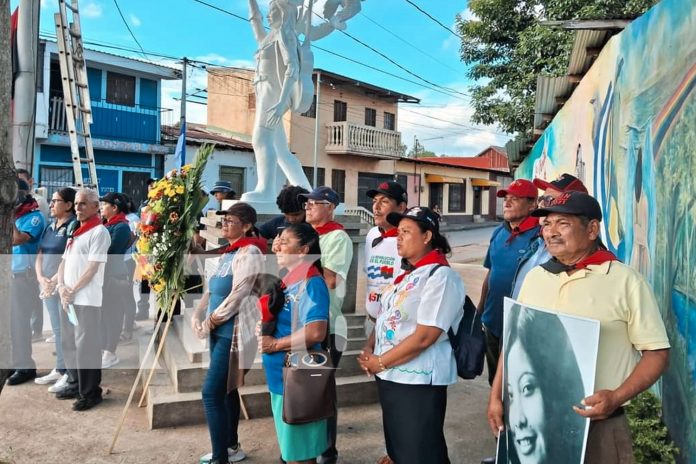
(91, 10)
(220, 60)
(196, 79)
(135, 21)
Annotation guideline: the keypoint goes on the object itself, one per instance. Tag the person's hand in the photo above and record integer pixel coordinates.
(495, 415)
(599, 406)
(369, 363)
(267, 344)
(274, 114)
(67, 295)
(275, 247)
(197, 326)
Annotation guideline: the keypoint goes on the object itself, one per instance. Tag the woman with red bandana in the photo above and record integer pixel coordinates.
(117, 279)
(412, 357)
(229, 287)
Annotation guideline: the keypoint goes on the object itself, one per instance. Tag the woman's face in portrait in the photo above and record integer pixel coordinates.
(527, 419)
(411, 243)
(290, 251)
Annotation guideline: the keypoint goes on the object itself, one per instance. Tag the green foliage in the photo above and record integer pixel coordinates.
(651, 443)
(507, 48)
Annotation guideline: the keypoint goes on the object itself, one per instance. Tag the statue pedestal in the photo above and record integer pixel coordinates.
(261, 207)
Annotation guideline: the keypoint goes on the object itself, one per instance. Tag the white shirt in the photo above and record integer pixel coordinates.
(435, 301)
(382, 265)
(92, 246)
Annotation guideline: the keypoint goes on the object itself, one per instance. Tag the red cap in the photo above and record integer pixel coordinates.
(565, 183)
(521, 188)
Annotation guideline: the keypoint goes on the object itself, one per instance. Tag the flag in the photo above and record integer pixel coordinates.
(180, 150)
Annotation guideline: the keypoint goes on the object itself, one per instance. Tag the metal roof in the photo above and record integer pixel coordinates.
(545, 104)
(580, 60)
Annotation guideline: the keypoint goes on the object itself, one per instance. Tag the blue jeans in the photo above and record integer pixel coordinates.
(221, 408)
(53, 308)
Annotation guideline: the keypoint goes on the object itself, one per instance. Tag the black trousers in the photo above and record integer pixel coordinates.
(82, 350)
(332, 422)
(413, 417)
(493, 345)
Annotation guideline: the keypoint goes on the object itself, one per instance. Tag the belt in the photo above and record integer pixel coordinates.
(617, 413)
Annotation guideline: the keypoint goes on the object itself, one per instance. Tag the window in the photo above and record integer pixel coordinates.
(251, 103)
(369, 181)
(371, 117)
(338, 183)
(309, 172)
(55, 178)
(120, 89)
(340, 111)
(234, 176)
(457, 198)
(312, 111)
(389, 121)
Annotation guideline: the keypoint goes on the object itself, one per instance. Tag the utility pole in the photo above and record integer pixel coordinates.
(25, 85)
(182, 119)
(8, 192)
(180, 151)
(317, 113)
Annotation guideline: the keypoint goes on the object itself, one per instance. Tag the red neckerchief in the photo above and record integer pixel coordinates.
(434, 257)
(26, 208)
(258, 242)
(598, 257)
(301, 272)
(328, 227)
(88, 225)
(393, 232)
(117, 219)
(528, 224)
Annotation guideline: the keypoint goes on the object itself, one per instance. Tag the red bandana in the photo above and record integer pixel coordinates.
(528, 224)
(117, 219)
(328, 227)
(598, 257)
(26, 208)
(434, 257)
(258, 242)
(301, 272)
(393, 232)
(90, 224)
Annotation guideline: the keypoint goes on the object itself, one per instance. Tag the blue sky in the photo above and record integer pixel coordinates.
(394, 27)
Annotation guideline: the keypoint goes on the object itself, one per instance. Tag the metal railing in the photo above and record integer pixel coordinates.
(347, 137)
(115, 122)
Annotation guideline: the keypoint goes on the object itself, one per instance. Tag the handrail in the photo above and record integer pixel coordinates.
(363, 213)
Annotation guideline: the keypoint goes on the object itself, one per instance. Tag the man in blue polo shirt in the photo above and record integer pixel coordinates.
(509, 242)
(24, 289)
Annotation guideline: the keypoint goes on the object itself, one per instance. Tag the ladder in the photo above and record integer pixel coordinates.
(78, 110)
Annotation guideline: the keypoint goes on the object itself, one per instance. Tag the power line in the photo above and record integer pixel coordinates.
(129, 29)
(434, 19)
(450, 122)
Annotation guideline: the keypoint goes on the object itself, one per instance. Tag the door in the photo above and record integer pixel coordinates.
(436, 196)
(477, 201)
(135, 185)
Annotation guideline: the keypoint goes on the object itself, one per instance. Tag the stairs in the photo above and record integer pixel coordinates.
(174, 398)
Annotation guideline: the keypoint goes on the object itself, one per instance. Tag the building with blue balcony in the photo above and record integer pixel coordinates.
(126, 129)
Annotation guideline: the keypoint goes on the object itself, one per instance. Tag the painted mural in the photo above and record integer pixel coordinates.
(629, 132)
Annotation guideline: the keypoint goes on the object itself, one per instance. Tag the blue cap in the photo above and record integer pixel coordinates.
(221, 186)
(322, 194)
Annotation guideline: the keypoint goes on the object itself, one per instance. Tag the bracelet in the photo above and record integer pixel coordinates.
(381, 366)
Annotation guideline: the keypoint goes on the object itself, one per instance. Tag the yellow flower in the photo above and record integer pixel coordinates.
(179, 189)
(170, 192)
(158, 286)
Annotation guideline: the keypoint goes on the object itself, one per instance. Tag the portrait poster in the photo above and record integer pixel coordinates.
(549, 362)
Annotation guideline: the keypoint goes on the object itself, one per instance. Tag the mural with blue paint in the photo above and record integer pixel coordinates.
(629, 132)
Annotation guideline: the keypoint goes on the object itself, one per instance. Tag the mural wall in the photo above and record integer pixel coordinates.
(629, 132)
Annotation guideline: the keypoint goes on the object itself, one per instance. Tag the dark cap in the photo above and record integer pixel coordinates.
(322, 194)
(391, 189)
(565, 183)
(22, 185)
(117, 200)
(575, 203)
(521, 188)
(419, 214)
(244, 211)
(221, 186)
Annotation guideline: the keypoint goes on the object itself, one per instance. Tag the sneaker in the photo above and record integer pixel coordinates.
(109, 359)
(71, 392)
(51, 339)
(60, 385)
(49, 378)
(235, 454)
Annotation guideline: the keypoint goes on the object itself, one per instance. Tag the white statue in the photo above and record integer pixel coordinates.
(283, 82)
(349, 8)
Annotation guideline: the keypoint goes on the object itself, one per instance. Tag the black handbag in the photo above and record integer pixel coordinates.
(309, 382)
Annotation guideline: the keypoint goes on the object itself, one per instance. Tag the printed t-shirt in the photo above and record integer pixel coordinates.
(382, 265)
(24, 255)
(52, 246)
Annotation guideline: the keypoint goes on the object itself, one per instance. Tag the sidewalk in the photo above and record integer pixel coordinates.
(451, 227)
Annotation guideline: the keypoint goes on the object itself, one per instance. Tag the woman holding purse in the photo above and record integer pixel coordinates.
(411, 356)
(306, 304)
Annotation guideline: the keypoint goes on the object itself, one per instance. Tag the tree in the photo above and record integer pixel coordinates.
(8, 192)
(419, 151)
(507, 47)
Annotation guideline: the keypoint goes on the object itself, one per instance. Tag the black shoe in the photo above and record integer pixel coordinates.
(490, 460)
(21, 376)
(83, 404)
(68, 394)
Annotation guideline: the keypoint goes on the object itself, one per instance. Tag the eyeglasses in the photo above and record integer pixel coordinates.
(56, 200)
(546, 200)
(313, 203)
(231, 222)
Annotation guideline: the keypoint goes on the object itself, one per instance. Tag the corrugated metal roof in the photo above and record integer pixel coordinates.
(548, 88)
(580, 61)
(517, 149)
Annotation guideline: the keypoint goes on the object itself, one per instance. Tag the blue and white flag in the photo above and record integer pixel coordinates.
(180, 151)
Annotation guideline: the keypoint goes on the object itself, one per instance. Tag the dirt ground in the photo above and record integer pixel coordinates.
(35, 427)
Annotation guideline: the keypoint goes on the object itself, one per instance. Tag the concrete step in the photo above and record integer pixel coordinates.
(356, 331)
(167, 408)
(195, 348)
(185, 375)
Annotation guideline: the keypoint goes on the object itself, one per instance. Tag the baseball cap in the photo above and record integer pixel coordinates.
(117, 200)
(565, 183)
(521, 188)
(391, 189)
(244, 211)
(322, 194)
(221, 186)
(419, 214)
(576, 203)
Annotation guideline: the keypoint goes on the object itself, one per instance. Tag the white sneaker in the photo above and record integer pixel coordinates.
(51, 339)
(48, 378)
(59, 385)
(233, 455)
(109, 359)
